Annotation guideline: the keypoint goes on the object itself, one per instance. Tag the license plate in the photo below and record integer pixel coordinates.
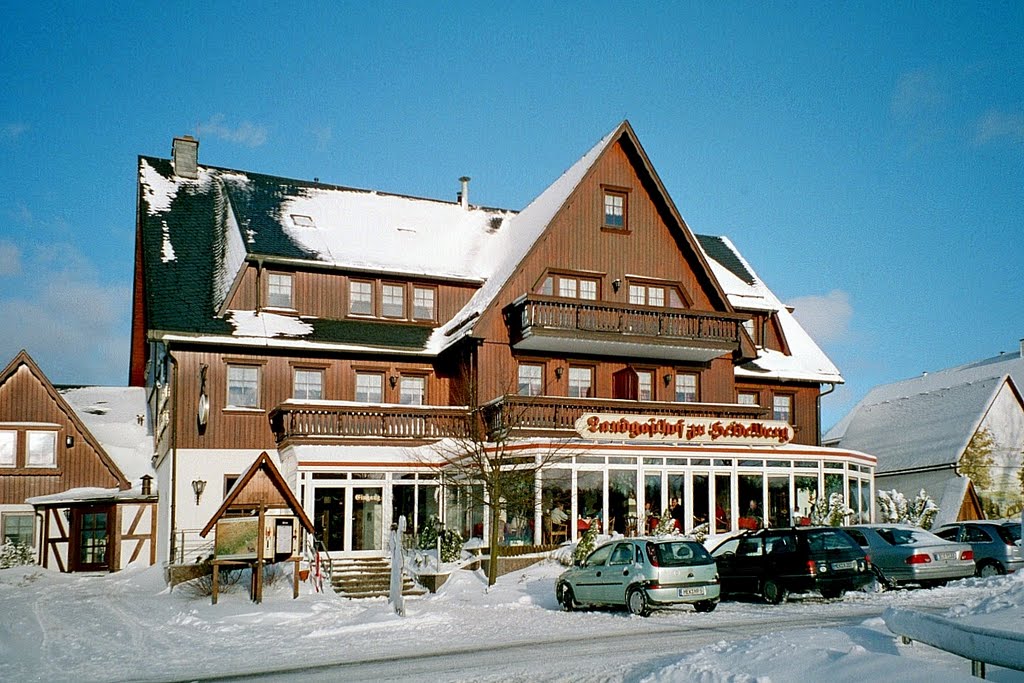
(844, 565)
(945, 555)
(683, 592)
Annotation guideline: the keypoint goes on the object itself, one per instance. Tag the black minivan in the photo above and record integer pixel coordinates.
(775, 562)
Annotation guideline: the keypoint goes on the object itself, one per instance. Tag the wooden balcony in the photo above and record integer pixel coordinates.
(328, 421)
(549, 324)
(551, 415)
(336, 422)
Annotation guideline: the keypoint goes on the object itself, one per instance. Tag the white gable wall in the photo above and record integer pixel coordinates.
(1005, 422)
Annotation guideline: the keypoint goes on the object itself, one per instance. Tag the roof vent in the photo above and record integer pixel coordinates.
(1022, 348)
(464, 192)
(185, 157)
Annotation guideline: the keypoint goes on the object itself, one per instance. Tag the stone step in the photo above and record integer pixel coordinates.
(368, 578)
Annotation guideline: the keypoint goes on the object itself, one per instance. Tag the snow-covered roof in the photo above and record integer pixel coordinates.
(1004, 364)
(747, 292)
(117, 417)
(87, 495)
(926, 429)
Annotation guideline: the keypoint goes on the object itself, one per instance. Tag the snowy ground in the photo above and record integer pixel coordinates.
(128, 626)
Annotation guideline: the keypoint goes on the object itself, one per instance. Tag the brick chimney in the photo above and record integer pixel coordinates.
(185, 157)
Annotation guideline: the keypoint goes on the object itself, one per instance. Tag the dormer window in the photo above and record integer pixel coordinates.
(279, 290)
(360, 297)
(569, 287)
(615, 205)
(392, 301)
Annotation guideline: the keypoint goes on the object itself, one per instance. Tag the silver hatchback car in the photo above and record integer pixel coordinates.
(908, 554)
(641, 574)
(996, 551)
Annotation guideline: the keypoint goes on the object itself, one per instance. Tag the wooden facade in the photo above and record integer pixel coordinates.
(118, 526)
(653, 309)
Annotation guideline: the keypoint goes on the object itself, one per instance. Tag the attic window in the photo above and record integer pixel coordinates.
(301, 221)
(615, 209)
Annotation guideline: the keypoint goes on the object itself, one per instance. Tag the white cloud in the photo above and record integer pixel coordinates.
(245, 133)
(75, 326)
(13, 131)
(917, 91)
(826, 318)
(10, 259)
(997, 125)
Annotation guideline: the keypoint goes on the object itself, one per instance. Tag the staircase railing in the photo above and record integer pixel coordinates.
(320, 566)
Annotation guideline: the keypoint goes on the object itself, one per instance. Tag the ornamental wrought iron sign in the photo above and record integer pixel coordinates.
(613, 427)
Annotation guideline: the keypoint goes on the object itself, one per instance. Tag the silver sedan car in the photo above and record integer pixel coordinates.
(642, 573)
(909, 554)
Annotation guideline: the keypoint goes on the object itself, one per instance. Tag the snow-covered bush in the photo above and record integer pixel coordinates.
(666, 524)
(831, 512)
(451, 545)
(586, 543)
(428, 533)
(700, 532)
(894, 508)
(15, 555)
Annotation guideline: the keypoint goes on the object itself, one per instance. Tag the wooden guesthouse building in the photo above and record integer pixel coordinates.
(347, 332)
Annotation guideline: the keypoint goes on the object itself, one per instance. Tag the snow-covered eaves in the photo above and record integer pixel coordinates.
(806, 362)
(921, 430)
(89, 495)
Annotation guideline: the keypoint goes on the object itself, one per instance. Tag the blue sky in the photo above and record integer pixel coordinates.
(867, 158)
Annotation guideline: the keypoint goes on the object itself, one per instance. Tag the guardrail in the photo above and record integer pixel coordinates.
(978, 644)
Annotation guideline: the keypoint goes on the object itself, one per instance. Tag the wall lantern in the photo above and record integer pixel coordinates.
(559, 371)
(198, 486)
(668, 378)
(616, 284)
(393, 381)
(69, 441)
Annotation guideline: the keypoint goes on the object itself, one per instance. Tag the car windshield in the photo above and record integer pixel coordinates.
(897, 536)
(681, 554)
(830, 540)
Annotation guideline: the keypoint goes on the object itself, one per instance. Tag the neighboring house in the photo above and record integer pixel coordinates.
(346, 331)
(957, 433)
(75, 471)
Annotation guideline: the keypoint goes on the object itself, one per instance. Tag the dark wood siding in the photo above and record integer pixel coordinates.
(25, 398)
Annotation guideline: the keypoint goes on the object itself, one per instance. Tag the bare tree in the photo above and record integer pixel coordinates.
(488, 461)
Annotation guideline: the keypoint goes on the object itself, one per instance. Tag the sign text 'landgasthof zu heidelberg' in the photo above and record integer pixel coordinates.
(690, 430)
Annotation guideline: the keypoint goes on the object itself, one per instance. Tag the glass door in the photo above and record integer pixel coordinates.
(92, 533)
(367, 518)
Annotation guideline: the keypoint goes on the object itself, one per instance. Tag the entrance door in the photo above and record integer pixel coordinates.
(367, 518)
(329, 517)
(90, 538)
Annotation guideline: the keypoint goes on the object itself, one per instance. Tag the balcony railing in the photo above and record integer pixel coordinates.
(528, 415)
(345, 420)
(539, 322)
(540, 414)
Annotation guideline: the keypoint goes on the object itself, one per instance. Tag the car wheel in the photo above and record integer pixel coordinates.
(773, 593)
(565, 597)
(705, 605)
(990, 569)
(832, 593)
(636, 601)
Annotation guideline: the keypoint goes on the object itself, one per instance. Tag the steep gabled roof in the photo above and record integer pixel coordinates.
(263, 465)
(526, 229)
(919, 430)
(806, 361)
(1004, 364)
(23, 360)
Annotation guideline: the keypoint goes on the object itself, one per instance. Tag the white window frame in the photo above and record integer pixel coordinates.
(782, 407)
(615, 202)
(424, 303)
(360, 297)
(369, 387)
(392, 300)
(531, 379)
(40, 448)
(581, 381)
(243, 380)
(747, 398)
(279, 290)
(307, 381)
(687, 387)
(644, 385)
(412, 390)
(8, 448)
